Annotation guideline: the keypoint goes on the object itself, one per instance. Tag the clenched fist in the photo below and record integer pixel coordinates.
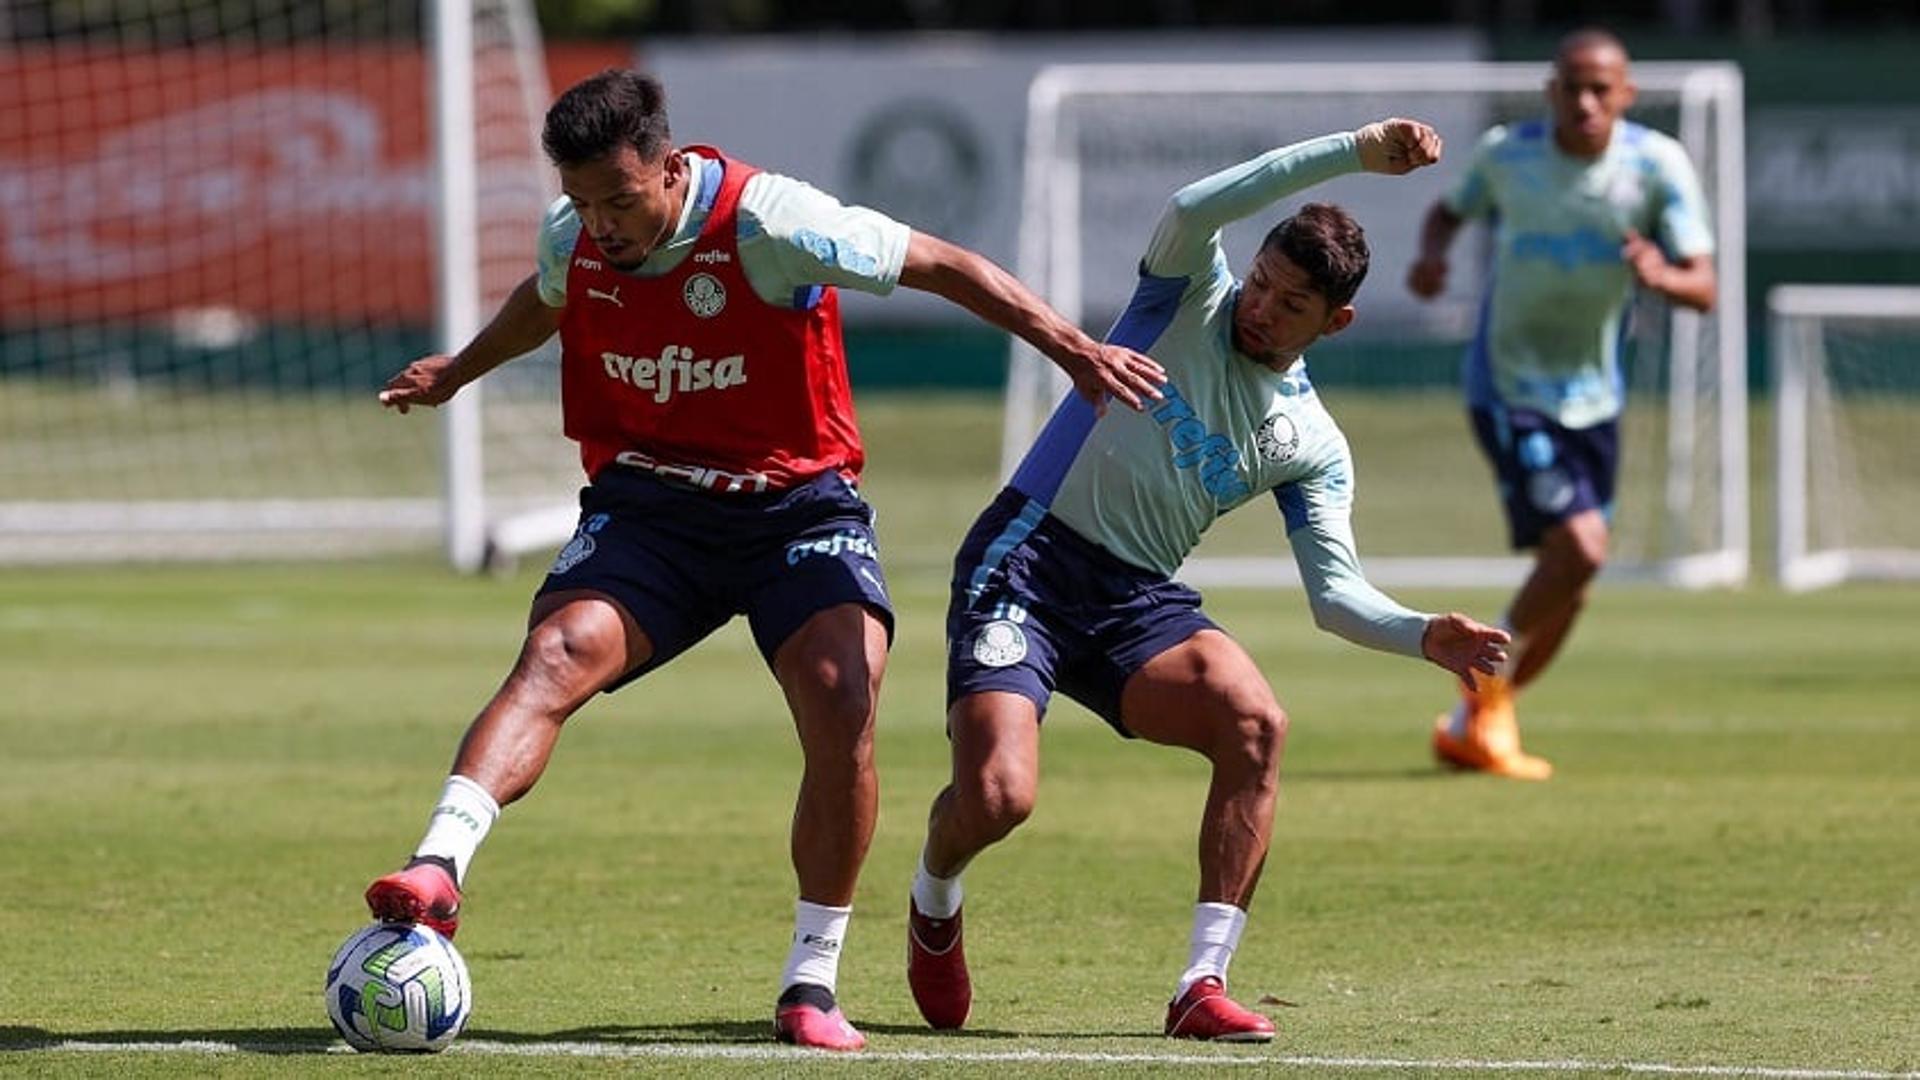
(1396, 146)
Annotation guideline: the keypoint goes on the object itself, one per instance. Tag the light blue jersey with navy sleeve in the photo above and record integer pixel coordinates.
(1146, 485)
(792, 237)
(1554, 316)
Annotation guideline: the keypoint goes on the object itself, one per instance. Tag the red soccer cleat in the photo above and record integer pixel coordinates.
(807, 1016)
(937, 969)
(1206, 1012)
(422, 894)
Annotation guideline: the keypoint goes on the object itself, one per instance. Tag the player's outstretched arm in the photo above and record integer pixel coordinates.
(1186, 240)
(974, 282)
(1463, 646)
(523, 323)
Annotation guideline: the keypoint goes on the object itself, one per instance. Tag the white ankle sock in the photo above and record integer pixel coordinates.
(460, 820)
(936, 897)
(1216, 933)
(817, 933)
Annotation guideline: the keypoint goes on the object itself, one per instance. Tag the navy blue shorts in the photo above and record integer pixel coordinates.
(1547, 472)
(1037, 607)
(683, 562)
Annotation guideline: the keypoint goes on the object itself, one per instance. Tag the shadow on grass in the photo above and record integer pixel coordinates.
(277, 1041)
(298, 1041)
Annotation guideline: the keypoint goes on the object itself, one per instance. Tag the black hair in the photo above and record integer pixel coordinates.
(1328, 246)
(598, 115)
(1587, 37)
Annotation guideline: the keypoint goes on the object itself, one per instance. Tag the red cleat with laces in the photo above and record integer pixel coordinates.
(423, 894)
(1206, 1012)
(937, 969)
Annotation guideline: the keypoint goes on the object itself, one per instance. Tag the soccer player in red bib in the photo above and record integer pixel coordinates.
(703, 375)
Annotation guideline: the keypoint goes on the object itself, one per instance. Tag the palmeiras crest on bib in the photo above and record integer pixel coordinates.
(1278, 438)
(1000, 644)
(705, 295)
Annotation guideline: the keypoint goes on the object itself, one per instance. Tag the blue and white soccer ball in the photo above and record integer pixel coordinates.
(398, 989)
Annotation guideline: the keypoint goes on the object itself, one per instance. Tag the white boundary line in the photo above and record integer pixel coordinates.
(726, 1052)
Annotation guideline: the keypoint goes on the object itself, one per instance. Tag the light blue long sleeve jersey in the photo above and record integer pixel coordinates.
(1554, 317)
(1146, 485)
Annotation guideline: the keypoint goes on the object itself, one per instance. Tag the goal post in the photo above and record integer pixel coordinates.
(1846, 390)
(225, 224)
(1106, 144)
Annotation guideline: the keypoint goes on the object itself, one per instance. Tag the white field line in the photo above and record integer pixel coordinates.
(725, 1052)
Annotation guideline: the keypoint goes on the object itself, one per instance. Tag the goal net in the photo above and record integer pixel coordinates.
(1106, 146)
(1846, 368)
(226, 223)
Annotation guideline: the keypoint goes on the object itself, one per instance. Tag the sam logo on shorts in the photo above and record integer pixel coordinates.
(581, 547)
(1000, 643)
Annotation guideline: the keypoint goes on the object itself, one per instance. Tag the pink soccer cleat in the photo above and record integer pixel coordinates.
(423, 894)
(807, 1016)
(1205, 1012)
(937, 969)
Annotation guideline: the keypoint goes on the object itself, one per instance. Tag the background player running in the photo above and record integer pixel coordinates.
(1585, 207)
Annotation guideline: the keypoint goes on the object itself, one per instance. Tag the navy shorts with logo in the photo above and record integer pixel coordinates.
(683, 562)
(1036, 608)
(1547, 472)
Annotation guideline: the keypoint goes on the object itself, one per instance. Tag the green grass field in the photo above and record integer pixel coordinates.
(200, 769)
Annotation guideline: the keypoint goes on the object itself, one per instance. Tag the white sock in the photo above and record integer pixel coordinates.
(817, 934)
(1216, 933)
(460, 820)
(935, 897)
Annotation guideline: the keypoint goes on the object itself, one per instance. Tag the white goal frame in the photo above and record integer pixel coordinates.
(1796, 351)
(477, 531)
(1050, 213)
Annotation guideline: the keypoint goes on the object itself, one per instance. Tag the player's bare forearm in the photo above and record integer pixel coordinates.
(1437, 231)
(523, 323)
(1427, 277)
(1691, 283)
(983, 288)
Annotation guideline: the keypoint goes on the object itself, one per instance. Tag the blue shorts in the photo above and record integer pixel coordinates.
(684, 562)
(1547, 472)
(1037, 607)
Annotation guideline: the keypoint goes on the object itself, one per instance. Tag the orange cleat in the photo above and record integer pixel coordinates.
(1491, 741)
(1205, 1012)
(423, 894)
(807, 1016)
(937, 969)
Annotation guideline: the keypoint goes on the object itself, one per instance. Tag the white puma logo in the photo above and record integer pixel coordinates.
(611, 297)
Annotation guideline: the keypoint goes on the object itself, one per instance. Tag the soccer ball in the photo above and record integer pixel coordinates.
(398, 989)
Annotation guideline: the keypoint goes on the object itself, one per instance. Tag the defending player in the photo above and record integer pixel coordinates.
(1066, 581)
(703, 376)
(1585, 207)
